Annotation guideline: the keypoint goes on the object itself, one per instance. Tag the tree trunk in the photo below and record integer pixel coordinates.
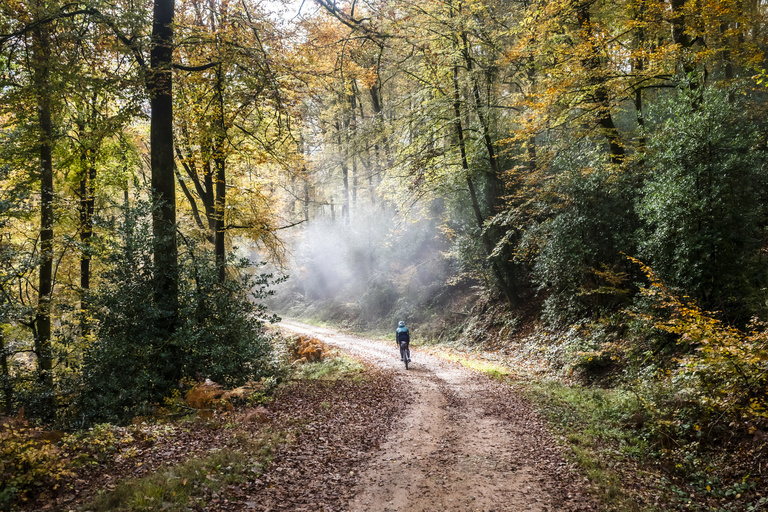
(600, 96)
(681, 36)
(41, 49)
(6, 377)
(352, 136)
(378, 115)
(87, 193)
(530, 147)
(220, 162)
(344, 173)
(487, 245)
(159, 84)
(639, 65)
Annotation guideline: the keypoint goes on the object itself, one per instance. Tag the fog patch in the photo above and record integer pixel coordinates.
(371, 272)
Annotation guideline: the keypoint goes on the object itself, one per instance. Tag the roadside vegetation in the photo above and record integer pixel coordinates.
(206, 447)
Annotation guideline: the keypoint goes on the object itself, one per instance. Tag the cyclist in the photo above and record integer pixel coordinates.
(403, 339)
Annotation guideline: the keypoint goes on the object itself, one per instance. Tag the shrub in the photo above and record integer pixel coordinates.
(717, 386)
(303, 349)
(574, 242)
(702, 206)
(27, 461)
(137, 361)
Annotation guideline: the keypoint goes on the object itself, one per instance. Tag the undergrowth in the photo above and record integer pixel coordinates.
(596, 425)
(191, 484)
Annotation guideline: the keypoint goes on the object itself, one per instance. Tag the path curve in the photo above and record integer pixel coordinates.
(466, 443)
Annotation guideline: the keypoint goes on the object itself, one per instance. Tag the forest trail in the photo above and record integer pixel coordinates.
(466, 443)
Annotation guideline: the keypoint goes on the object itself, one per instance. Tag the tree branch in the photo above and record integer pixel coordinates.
(201, 67)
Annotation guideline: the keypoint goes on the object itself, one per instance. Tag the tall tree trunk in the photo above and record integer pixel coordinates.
(159, 84)
(41, 50)
(378, 115)
(344, 172)
(6, 377)
(220, 162)
(87, 193)
(493, 161)
(366, 160)
(352, 136)
(638, 65)
(530, 146)
(88, 152)
(681, 36)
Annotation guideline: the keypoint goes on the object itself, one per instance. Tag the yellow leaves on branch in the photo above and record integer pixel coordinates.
(730, 366)
(27, 459)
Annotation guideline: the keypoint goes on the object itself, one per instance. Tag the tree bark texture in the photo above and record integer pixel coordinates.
(42, 330)
(159, 83)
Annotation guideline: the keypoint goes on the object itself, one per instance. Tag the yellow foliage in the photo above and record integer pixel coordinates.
(304, 349)
(721, 367)
(27, 460)
(204, 395)
(210, 395)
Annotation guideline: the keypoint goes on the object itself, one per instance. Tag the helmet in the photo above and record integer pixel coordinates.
(401, 324)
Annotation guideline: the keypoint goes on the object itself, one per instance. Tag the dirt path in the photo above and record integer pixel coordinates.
(466, 443)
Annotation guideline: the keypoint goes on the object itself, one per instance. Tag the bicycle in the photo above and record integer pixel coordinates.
(405, 353)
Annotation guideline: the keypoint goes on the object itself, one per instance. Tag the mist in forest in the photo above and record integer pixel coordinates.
(372, 271)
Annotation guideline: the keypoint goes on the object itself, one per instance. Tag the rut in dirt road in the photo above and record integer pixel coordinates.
(466, 443)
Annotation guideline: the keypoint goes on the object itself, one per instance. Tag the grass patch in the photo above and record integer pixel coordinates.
(176, 488)
(492, 370)
(596, 425)
(331, 368)
(192, 483)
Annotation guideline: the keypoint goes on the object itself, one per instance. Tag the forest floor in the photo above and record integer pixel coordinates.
(436, 437)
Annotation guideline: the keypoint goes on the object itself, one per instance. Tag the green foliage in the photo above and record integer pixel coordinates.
(27, 461)
(140, 354)
(575, 243)
(703, 203)
(176, 488)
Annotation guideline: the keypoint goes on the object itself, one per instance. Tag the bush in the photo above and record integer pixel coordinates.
(575, 243)
(27, 461)
(141, 354)
(703, 206)
(717, 386)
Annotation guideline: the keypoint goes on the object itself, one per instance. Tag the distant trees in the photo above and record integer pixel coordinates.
(559, 135)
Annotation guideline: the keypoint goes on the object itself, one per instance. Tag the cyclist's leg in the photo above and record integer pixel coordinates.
(408, 351)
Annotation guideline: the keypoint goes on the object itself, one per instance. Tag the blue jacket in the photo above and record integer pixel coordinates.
(402, 334)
